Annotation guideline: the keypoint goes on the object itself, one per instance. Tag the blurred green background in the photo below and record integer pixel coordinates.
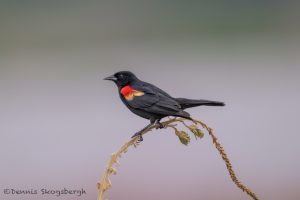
(27, 25)
(59, 121)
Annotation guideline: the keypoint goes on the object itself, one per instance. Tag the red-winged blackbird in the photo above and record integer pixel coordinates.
(150, 102)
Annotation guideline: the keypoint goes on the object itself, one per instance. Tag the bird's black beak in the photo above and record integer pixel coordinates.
(111, 78)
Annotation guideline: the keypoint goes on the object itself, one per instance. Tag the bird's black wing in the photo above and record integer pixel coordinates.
(154, 100)
(147, 99)
(153, 87)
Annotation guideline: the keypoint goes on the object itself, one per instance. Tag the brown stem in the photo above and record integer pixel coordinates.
(105, 183)
(227, 161)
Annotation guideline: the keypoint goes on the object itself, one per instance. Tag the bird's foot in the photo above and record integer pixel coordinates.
(160, 125)
(138, 134)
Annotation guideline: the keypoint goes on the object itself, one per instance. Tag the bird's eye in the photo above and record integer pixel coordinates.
(121, 76)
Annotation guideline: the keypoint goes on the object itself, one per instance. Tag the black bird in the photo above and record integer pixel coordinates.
(151, 102)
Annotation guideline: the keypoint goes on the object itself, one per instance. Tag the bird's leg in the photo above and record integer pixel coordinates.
(141, 131)
(160, 125)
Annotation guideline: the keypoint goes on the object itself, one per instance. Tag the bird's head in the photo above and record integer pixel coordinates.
(122, 78)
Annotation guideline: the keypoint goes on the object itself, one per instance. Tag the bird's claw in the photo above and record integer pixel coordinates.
(140, 139)
(138, 135)
(160, 126)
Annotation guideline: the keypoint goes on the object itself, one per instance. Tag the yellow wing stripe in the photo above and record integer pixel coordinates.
(134, 93)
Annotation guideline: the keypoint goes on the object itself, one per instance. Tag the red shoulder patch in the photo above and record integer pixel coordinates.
(126, 90)
(129, 93)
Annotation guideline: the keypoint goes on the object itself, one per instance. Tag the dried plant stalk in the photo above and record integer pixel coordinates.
(105, 182)
(227, 161)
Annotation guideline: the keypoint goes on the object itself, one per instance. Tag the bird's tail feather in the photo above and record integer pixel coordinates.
(188, 103)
